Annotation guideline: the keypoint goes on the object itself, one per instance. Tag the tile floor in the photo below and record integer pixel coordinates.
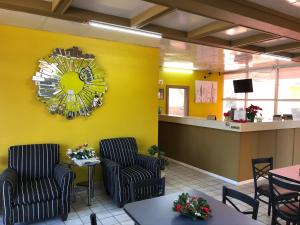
(178, 179)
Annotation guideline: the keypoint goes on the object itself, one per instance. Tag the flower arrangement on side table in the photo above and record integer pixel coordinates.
(82, 155)
(252, 111)
(191, 206)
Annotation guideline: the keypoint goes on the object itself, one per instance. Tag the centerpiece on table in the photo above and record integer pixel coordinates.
(252, 111)
(192, 206)
(83, 155)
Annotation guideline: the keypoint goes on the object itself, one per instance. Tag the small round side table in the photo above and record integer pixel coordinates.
(90, 183)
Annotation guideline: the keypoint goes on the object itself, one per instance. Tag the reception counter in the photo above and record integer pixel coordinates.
(226, 149)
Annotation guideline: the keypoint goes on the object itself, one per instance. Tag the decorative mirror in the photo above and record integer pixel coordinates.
(70, 83)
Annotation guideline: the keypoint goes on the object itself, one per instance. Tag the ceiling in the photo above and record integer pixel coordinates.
(192, 31)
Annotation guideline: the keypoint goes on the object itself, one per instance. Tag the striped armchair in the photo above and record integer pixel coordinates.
(35, 187)
(123, 165)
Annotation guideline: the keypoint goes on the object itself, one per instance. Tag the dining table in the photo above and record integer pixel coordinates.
(290, 173)
(158, 211)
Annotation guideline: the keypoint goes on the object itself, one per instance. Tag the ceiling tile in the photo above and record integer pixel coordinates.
(182, 21)
(21, 19)
(64, 26)
(123, 8)
(280, 6)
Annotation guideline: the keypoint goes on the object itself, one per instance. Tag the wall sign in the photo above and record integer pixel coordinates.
(206, 91)
(70, 83)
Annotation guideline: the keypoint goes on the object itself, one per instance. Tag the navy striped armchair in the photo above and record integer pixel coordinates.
(122, 165)
(35, 187)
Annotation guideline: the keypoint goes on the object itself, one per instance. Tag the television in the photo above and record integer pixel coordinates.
(243, 86)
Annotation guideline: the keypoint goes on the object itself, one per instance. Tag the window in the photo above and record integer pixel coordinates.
(289, 91)
(289, 107)
(237, 104)
(263, 84)
(177, 100)
(276, 91)
(289, 83)
(267, 108)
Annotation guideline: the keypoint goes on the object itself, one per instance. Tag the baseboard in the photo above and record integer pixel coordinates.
(237, 183)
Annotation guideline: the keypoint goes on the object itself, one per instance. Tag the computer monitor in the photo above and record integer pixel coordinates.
(243, 86)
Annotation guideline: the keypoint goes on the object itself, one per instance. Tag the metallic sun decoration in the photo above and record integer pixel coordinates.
(70, 83)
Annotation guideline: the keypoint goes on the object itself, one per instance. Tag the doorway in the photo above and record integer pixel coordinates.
(177, 100)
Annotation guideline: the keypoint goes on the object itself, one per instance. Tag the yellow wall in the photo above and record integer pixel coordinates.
(130, 105)
(195, 109)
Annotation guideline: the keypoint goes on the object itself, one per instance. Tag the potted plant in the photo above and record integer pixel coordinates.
(252, 111)
(153, 150)
(227, 116)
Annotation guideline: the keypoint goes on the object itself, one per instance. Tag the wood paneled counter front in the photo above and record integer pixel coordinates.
(227, 149)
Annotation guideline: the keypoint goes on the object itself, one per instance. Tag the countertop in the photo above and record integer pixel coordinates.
(230, 126)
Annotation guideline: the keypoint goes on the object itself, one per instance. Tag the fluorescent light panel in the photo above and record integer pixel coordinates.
(180, 65)
(124, 29)
(277, 57)
(177, 70)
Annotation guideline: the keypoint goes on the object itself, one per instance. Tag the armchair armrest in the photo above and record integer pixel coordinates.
(8, 180)
(150, 163)
(112, 178)
(110, 164)
(112, 167)
(9, 177)
(62, 173)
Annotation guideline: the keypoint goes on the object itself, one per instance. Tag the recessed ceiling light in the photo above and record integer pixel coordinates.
(124, 29)
(236, 30)
(294, 2)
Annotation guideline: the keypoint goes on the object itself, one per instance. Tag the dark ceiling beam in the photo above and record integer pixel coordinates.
(296, 55)
(179, 35)
(60, 6)
(149, 15)
(31, 6)
(240, 12)
(283, 47)
(210, 28)
(253, 39)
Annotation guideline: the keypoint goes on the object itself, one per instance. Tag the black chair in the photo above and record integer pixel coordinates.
(122, 165)
(260, 169)
(93, 219)
(284, 205)
(35, 186)
(229, 194)
(140, 190)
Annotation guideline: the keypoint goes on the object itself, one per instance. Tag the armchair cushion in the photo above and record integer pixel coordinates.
(34, 191)
(120, 150)
(136, 174)
(150, 163)
(34, 161)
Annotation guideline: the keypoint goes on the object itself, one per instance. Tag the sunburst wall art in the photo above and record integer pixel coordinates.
(70, 83)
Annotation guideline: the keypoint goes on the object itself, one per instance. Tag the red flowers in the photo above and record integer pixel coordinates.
(205, 209)
(227, 114)
(253, 109)
(192, 206)
(178, 207)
